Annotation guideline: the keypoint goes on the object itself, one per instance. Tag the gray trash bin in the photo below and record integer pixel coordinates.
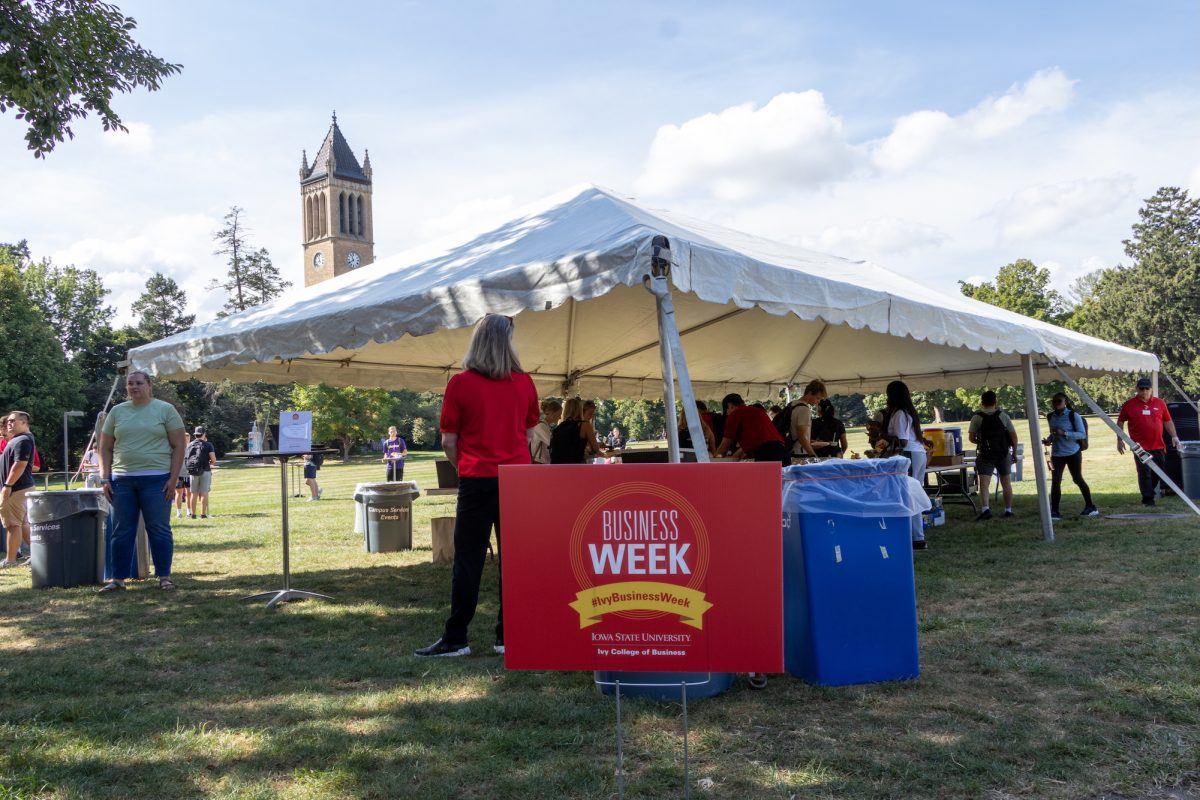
(387, 509)
(1189, 460)
(67, 537)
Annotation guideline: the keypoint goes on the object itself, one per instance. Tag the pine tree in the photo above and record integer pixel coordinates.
(159, 309)
(252, 278)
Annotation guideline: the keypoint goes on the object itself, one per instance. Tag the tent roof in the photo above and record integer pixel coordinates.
(754, 315)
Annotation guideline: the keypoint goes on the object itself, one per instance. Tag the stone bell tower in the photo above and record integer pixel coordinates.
(335, 206)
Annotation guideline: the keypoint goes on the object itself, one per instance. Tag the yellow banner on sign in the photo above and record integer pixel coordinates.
(594, 603)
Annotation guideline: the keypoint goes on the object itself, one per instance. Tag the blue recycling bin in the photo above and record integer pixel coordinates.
(850, 604)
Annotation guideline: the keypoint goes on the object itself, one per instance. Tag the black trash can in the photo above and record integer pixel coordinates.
(1189, 462)
(67, 537)
(388, 515)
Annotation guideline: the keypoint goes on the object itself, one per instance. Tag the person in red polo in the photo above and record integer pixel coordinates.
(752, 430)
(1147, 416)
(489, 412)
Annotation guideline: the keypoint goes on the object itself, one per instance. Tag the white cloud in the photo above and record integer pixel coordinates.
(913, 138)
(139, 139)
(1047, 91)
(1041, 210)
(476, 215)
(879, 235)
(793, 141)
(918, 135)
(170, 246)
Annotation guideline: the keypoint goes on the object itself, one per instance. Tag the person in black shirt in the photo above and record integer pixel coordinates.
(16, 468)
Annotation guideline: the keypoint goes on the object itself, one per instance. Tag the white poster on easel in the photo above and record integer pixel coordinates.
(295, 431)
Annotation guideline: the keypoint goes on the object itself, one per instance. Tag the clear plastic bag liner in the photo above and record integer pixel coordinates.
(49, 506)
(382, 490)
(868, 487)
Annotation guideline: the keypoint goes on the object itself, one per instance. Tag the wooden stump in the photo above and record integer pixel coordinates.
(443, 539)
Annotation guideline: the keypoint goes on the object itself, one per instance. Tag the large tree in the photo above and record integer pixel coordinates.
(160, 308)
(1023, 287)
(349, 415)
(63, 59)
(1153, 303)
(34, 375)
(71, 300)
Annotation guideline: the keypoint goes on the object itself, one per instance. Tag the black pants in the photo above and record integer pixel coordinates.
(395, 470)
(478, 510)
(1075, 465)
(772, 451)
(1147, 480)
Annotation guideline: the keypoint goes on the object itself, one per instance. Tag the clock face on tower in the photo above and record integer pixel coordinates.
(352, 260)
(318, 260)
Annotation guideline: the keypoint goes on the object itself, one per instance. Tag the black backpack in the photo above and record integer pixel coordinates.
(566, 445)
(783, 424)
(193, 458)
(994, 441)
(1083, 443)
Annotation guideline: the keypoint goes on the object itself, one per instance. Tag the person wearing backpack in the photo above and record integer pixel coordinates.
(1067, 440)
(198, 459)
(992, 430)
(794, 422)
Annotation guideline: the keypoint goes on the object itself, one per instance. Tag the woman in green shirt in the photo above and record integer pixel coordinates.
(141, 453)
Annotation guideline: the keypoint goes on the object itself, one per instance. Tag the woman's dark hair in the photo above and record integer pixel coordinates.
(899, 399)
(827, 409)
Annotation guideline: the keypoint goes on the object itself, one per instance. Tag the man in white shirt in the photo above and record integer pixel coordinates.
(800, 422)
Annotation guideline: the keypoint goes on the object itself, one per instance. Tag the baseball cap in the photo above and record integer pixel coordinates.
(1144, 383)
(199, 431)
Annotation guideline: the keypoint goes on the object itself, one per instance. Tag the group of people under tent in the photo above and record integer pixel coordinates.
(491, 416)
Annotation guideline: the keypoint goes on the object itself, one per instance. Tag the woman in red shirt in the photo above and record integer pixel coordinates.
(488, 413)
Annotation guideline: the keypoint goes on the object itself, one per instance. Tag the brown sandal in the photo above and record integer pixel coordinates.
(111, 586)
(166, 584)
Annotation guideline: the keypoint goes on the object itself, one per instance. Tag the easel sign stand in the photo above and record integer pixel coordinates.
(620, 745)
(656, 281)
(287, 594)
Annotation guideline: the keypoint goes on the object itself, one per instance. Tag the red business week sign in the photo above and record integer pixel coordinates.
(648, 568)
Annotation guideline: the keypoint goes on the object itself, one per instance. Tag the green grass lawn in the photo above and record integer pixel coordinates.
(1061, 670)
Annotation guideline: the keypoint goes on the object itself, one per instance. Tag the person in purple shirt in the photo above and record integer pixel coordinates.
(394, 451)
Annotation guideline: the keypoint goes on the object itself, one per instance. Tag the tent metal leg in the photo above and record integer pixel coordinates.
(1035, 437)
(1182, 393)
(1141, 454)
(671, 349)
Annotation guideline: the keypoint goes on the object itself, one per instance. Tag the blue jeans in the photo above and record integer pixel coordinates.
(133, 495)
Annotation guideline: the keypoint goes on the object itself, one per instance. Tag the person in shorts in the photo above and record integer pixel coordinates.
(993, 432)
(310, 478)
(201, 483)
(16, 470)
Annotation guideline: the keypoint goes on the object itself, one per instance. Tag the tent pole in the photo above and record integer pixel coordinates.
(1154, 382)
(569, 380)
(1035, 438)
(671, 349)
(1138, 452)
(812, 349)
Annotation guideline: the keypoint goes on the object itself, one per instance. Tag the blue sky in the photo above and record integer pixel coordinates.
(941, 140)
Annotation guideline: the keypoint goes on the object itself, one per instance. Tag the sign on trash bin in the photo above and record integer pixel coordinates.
(649, 568)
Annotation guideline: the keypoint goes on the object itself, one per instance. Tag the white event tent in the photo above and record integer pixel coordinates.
(753, 316)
